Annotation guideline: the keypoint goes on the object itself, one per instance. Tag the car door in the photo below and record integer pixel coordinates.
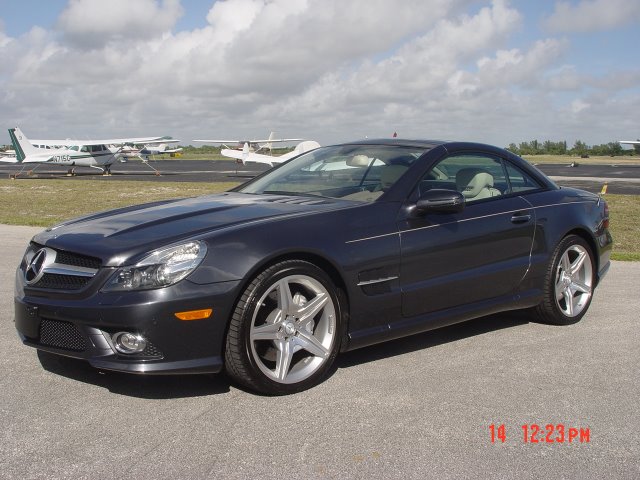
(480, 253)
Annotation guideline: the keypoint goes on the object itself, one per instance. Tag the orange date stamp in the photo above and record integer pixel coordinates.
(549, 433)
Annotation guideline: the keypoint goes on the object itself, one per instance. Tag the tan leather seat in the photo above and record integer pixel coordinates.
(475, 184)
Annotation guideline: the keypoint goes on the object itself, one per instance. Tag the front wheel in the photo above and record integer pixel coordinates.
(569, 283)
(285, 331)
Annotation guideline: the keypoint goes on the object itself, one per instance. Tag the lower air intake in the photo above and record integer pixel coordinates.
(65, 335)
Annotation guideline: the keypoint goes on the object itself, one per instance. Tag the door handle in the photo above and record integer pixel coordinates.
(520, 218)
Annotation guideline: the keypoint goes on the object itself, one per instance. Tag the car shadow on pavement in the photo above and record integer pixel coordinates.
(157, 387)
(433, 338)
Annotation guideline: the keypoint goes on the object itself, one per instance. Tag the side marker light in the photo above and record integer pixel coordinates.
(194, 314)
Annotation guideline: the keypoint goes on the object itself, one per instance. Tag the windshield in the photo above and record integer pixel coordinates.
(352, 172)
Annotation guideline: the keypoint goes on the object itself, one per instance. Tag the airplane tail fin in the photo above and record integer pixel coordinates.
(21, 144)
(306, 146)
(269, 145)
(245, 152)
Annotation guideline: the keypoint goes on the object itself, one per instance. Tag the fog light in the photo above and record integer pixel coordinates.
(129, 342)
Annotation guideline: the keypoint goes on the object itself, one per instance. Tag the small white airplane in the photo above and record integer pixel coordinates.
(245, 155)
(99, 154)
(253, 145)
(634, 143)
(144, 151)
(152, 148)
(8, 156)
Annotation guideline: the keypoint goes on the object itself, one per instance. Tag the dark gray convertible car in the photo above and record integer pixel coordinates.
(342, 247)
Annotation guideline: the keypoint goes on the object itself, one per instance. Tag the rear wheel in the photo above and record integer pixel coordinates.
(285, 331)
(569, 283)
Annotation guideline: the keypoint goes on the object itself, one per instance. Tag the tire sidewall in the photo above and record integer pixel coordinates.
(558, 315)
(265, 281)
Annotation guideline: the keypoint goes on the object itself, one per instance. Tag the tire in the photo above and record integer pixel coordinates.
(285, 330)
(569, 283)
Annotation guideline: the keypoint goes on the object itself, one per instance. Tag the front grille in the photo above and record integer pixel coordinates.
(62, 282)
(68, 258)
(65, 335)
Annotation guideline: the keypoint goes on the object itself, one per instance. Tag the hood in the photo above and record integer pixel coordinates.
(117, 236)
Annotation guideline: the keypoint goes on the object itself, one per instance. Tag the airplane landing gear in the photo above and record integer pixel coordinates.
(157, 172)
(13, 176)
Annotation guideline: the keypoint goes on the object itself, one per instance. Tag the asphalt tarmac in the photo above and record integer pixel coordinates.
(620, 179)
(415, 408)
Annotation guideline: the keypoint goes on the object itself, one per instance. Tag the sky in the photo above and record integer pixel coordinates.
(327, 70)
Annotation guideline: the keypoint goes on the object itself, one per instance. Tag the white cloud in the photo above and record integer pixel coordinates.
(94, 23)
(228, 19)
(4, 39)
(578, 105)
(323, 69)
(513, 67)
(593, 15)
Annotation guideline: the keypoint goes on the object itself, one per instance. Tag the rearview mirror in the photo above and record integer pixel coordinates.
(440, 201)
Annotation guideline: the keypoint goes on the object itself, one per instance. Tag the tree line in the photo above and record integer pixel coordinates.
(580, 148)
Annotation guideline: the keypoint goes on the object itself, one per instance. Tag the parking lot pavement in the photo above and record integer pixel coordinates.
(419, 407)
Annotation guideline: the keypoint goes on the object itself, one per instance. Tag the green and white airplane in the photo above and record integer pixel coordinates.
(99, 154)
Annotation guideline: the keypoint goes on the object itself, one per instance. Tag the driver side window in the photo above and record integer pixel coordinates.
(476, 176)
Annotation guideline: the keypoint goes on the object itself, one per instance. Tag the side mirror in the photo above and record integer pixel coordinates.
(440, 201)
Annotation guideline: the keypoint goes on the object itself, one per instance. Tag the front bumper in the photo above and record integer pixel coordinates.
(81, 326)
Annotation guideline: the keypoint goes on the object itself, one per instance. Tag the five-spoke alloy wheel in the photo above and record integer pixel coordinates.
(285, 331)
(569, 284)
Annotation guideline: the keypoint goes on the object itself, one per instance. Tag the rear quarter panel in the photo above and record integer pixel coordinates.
(561, 212)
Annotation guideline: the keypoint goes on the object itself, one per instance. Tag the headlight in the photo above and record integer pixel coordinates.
(159, 269)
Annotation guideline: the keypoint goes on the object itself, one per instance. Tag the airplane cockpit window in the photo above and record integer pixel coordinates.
(74, 148)
(84, 148)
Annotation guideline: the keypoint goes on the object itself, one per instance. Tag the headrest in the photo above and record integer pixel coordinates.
(359, 161)
(470, 181)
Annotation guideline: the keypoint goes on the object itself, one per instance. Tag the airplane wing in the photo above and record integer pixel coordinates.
(250, 157)
(268, 140)
(108, 141)
(276, 140)
(159, 141)
(8, 159)
(237, 154)
(630, 142)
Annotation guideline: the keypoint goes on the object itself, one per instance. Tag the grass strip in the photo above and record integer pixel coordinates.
(47, 202)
